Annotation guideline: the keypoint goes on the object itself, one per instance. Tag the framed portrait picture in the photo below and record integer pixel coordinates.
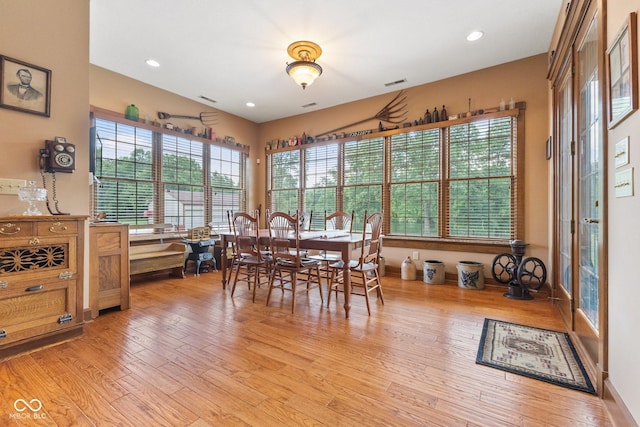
(622, 66)
(24, 87)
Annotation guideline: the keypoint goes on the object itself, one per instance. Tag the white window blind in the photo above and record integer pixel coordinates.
(415, 183)
(148, 176)
(455, 182)
(482, 179)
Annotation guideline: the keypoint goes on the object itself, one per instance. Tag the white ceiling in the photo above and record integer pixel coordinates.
(235, 51)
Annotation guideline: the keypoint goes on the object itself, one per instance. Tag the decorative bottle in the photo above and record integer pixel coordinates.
(443, 114)
(132, 113)
(427, 117)
(434, 116)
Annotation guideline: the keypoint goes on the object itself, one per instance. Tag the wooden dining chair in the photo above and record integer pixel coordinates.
(289, 265)
(341, 221)
(365, 277)
(252, 266)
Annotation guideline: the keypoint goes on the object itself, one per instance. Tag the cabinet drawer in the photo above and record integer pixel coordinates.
(16, 229)
(35, 313)
(55, 228)
(10, 287)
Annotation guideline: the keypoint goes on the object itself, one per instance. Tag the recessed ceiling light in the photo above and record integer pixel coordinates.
(152, 63)
(474, 35)
(250, 104)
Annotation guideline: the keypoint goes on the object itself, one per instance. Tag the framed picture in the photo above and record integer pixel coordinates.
(24, 87)
(622, 67)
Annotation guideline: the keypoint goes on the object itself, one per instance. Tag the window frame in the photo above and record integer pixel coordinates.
(443, 241)
(158, 134)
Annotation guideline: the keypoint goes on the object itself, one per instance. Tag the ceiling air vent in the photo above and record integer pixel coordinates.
(213, 101)
(397, 82)
(309, 105)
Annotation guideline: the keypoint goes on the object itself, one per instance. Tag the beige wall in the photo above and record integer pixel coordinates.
(624, 251)
(29, 34)
(524, 80)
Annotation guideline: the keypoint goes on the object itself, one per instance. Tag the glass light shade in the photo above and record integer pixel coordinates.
(304, 72)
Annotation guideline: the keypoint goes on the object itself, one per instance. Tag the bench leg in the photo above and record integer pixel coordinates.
(178, 272)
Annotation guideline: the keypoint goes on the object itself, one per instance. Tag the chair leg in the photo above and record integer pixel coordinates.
(294, 278)
(235, 280)
(366, 292)
(272, 278)
(319, 284)
(256, 274)
(379, 288)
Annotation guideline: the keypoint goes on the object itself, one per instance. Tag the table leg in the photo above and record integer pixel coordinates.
(346, 278)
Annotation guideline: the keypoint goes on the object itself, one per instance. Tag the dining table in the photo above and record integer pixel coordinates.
(344, 243)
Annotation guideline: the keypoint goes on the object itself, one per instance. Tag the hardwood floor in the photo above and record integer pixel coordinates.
(186, 354)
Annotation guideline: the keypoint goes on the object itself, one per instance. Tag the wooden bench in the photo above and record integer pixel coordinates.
(148, 232)
(157, 257)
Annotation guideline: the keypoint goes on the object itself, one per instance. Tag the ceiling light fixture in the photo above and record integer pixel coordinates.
(475, 35)
(304, 69)
(152, 63)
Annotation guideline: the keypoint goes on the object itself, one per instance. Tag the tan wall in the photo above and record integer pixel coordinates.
(623, 248)
(524, 80)
(29, 34)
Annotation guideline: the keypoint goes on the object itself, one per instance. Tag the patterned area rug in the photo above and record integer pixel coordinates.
(532, 352)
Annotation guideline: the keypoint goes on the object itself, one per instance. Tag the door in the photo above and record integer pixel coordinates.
(565, 223)
(586, 283)
(579, 192)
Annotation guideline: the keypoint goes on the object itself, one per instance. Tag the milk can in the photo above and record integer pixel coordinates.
(408, 269)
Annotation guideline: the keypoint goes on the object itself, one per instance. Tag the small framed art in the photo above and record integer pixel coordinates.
(24, 87)
(622, 66)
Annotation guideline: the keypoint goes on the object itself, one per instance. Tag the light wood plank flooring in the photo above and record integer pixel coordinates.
(186, 354)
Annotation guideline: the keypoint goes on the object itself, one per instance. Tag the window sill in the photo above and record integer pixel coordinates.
(478, 246)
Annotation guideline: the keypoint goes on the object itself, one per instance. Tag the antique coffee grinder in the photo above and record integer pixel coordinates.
(520, 274)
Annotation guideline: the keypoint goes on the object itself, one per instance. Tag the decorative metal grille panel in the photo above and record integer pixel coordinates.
(14, 260)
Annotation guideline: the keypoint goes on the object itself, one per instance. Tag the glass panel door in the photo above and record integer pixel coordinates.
(589, 181)
(565, 195)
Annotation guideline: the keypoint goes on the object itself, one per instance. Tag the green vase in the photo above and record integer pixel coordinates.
(132, 113)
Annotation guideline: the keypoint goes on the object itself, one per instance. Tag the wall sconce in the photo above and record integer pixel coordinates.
(304, 69)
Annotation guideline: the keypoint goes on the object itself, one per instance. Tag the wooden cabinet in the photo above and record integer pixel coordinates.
(41, 280)
(109, 267)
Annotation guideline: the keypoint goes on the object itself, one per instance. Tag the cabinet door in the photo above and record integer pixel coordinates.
(109, 267)
(38, 257)
(31, 308)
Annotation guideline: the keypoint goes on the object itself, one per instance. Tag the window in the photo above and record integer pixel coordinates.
(284, 181)
(481, 179)
(363, 178)
(183, 182)
(124, 168)
(454, 181)
(227, 183)
(415, 183)
(321, 182)
(148, 176)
